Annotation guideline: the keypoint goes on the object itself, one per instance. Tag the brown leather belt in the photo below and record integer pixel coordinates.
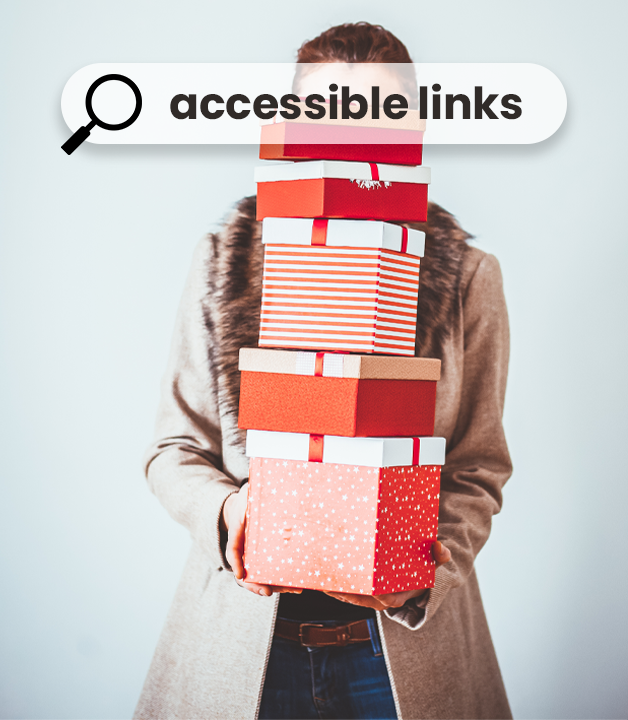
(313, 635)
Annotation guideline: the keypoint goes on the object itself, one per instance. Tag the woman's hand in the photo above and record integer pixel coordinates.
(441, 556)
(233, 522)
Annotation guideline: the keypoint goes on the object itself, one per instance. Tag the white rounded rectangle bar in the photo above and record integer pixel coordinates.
(189, 103)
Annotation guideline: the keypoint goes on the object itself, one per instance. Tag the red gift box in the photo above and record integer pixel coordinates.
(397, 398)
(360, 297)
(306, 141)
(331, 189)
(343, 527)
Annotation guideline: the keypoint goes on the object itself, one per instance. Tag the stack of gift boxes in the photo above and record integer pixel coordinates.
(344, 469)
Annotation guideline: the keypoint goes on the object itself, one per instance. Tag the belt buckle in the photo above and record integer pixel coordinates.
(301, 636)
(343, 635)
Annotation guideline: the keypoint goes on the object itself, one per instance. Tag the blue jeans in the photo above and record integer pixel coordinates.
(329, 682)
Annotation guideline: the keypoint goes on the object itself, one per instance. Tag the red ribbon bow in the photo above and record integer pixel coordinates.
(317, 443)
(416, 449)
(404, 239)
(315, 450)
(318, 364)
(319, 232)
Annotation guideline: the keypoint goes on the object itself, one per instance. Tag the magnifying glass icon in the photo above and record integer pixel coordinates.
(84, 131)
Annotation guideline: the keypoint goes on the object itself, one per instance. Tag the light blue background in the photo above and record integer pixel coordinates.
(94, 253)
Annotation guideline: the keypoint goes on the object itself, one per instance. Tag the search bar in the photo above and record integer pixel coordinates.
(188, 103)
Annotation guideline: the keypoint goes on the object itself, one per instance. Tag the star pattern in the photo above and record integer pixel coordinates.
(407, 526)
(339, 528)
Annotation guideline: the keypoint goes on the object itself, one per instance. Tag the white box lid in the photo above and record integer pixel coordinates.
(343, 233)
(365, 451)
(316, 169)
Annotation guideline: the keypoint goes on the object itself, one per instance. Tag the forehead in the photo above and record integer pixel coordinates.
(360, 77)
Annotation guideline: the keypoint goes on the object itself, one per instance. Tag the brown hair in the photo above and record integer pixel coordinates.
(359, 43)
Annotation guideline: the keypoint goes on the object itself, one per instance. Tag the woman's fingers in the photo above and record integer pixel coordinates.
(379, 602)
(266, 590)
(440, 553)
(234, 543)
(235, 548)
(236, 522)
(263, 590)
(362, 600)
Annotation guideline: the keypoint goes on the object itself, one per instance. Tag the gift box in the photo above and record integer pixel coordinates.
(331, 189)
(397, 398)
(381, 140)
(307, 141)
(361, 526)
(354, 299)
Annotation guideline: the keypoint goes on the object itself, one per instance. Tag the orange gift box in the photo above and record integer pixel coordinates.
(343, 527)
(305, 141)
(305, 401)
(331, 189)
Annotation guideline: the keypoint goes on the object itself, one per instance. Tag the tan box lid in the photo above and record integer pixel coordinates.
(340, 365)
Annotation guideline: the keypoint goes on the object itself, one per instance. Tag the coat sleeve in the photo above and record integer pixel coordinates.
(477, 463)
(183, 466)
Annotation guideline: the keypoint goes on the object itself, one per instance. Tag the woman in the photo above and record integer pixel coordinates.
(223, 653)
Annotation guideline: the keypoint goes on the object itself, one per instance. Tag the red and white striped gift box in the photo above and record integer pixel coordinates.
(351, 299)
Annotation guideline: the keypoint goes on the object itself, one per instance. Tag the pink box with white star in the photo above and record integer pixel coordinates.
(341, 528)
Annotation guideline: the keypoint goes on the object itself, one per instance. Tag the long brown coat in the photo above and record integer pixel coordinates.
(211, 657)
